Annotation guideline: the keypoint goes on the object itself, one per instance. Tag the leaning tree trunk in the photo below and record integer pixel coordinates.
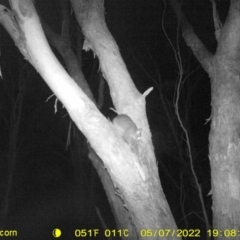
(132, 169)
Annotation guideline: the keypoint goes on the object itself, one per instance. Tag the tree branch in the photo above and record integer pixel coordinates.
(191, 39)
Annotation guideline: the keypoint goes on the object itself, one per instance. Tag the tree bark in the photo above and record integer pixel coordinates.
(134, 174)
(224, 139)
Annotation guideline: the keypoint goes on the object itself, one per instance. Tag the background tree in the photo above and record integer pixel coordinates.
(224, 138)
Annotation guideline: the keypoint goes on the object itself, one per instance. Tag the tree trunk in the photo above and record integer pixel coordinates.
(225, 144)
(132, 169)
(223, 68)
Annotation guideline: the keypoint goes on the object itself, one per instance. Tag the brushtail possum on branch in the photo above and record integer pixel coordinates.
(127, 129)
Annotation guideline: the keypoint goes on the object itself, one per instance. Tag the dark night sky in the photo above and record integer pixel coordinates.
(44, 172)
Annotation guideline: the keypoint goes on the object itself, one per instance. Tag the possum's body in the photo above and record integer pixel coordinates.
(127, 128)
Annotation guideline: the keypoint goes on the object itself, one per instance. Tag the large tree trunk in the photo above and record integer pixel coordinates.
(225, 144)
(134, 187)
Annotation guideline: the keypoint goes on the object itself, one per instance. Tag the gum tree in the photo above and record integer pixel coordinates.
(127, 169)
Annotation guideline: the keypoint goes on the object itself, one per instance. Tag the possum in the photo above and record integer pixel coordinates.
(127, 129)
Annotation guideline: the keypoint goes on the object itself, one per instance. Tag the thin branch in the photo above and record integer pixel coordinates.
(216, 19)
(191, 39)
